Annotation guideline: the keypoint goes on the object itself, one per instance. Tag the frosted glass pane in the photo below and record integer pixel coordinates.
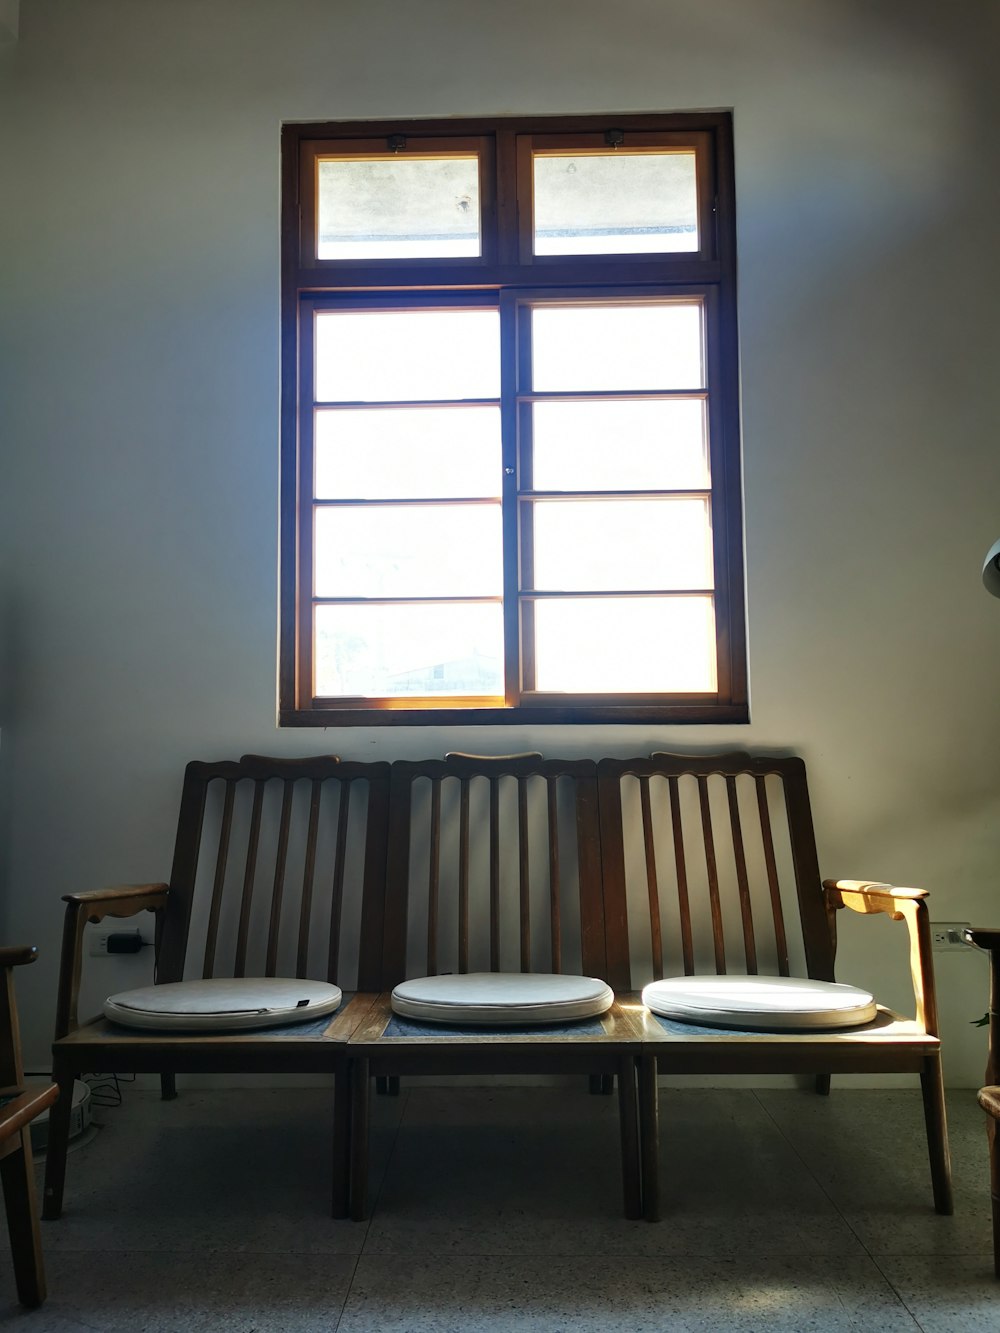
(407, 453)
(407, 355)
(605, 545)
(615, 203)
(622, 445)
(395, 651)
(408, 551)
(639, 645)
(645, 345)
(398, 208)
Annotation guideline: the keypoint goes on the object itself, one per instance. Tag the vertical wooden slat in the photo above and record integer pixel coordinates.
(718, 938)
(463, 877)
(494, 873)
(780, 940)
(555, 918)
(248, 878)
(680, 865)
(742, 883)
(652, 885)
(612, 875)
(222, 857)
(523, 867)
(433, 877)
(593, 927)
(308, 875)
(278, 889)
(371, 949)
(339, 863)
(819, 946)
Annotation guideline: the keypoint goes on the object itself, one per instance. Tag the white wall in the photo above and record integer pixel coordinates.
(138, 409)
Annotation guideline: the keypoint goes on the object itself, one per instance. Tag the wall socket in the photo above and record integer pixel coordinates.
(946, 936)
(99, 941)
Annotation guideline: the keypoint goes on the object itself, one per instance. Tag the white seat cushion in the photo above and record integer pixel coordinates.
(502, 998)
(223, 1004)
(760, 1002)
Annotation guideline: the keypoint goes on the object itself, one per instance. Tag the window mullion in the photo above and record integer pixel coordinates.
(509, 375)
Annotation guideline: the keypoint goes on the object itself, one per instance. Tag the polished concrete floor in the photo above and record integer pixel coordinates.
(499, 1209)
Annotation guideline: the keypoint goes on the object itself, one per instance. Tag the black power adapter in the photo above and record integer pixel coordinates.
(125, 941)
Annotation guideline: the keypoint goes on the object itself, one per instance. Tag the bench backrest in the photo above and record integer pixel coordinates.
(710, 865)
(493, 865)
(278, 870)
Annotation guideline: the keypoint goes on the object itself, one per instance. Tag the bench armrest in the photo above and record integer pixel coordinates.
(83, 909)
(899, 904)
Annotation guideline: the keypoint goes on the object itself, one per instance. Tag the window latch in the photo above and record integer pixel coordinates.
(614, 138)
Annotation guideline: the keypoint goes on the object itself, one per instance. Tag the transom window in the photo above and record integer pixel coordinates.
(510, 460)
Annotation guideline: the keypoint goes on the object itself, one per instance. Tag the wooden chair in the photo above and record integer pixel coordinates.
(278, 870)
(503, 851)
(989, 1096)
(18, 1107)
(710, 866)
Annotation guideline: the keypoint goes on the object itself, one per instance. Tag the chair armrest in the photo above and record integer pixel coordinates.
(983, 937)
(23, 1108)
(15, 955)
(82, 909)
(987, 938)
(899, 904)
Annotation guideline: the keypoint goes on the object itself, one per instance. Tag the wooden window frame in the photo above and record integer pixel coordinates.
(508, 275)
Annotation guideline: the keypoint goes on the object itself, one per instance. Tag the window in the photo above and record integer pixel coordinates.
(510, 437)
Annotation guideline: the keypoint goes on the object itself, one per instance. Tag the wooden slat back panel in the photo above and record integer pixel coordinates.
(279, 870)
(710, 865)
(494, 865)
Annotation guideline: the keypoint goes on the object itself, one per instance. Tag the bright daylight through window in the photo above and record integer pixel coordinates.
(510, 436)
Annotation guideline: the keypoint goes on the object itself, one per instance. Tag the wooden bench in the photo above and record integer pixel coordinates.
(626, 870)
(494, 865)
(278, 870)
(711, 863)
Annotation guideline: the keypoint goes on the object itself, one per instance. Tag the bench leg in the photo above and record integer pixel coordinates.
(168, 1087)
(628, 1116)
(342, 1088)
(602, 1085)
(932, 1087)
(387, 1085)
(17, 1174)
(823, 1084)
(360, 1107)
(649, 1137)
(57, 1146)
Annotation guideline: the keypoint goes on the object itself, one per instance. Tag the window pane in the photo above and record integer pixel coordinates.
(615, 203)
(408, 551)
(638, 645)
(627, 444)
(407, 355)
(604, 545)
(398, 207)
(643, 345)
(407, 453)
(392, 651)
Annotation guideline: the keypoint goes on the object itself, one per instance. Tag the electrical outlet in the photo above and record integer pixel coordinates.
(99, 941)
(946, 936)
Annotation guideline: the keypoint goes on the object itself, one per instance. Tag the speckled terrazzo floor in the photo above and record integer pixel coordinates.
(499, 1209)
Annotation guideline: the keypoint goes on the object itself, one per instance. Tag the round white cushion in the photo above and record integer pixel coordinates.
(502, 998)
(760, 1002)
(223, 1004)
